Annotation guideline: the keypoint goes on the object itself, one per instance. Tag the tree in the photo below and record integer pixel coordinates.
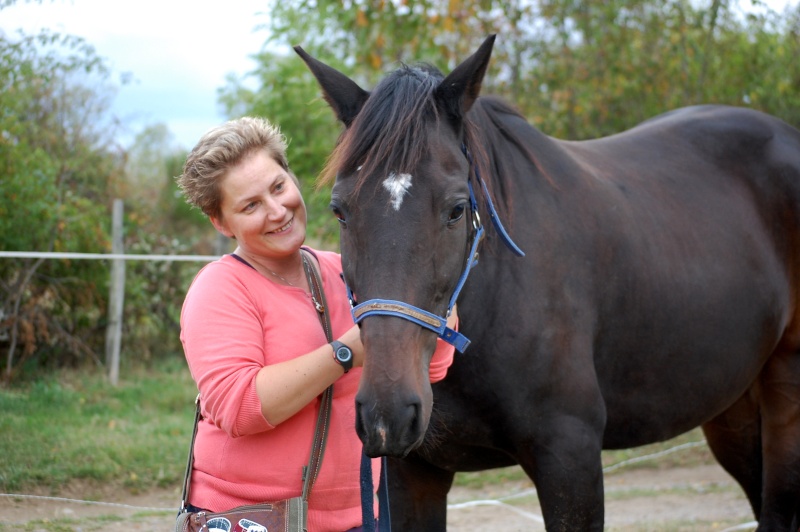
(577, 69)
(57, 160)
(158, 221)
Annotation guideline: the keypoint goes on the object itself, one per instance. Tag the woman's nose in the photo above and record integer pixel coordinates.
(275, 209)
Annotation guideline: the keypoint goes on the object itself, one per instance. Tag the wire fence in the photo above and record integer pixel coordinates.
(117, 274)
(105, 256)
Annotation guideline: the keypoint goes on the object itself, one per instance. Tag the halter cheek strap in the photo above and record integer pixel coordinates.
(423, 318)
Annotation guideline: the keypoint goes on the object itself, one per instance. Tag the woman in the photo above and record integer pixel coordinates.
(254, 342)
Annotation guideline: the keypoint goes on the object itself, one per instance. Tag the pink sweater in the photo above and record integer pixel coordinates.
(235, 321)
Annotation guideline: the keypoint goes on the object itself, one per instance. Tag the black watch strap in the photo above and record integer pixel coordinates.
(343, 355)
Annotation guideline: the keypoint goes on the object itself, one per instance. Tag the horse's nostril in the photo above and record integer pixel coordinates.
(359, 420)
(415, 420)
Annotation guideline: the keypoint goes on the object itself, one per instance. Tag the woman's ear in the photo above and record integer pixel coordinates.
(220, 226)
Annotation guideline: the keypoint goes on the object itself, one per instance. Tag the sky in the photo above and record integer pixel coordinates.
(177, 52)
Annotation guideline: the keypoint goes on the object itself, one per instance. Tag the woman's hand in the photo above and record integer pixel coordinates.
(452, 319)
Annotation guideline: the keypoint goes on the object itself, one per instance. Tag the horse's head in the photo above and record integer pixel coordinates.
(403, 203)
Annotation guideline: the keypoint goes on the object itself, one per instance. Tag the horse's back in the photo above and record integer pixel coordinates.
(718, 157)
(694, 257)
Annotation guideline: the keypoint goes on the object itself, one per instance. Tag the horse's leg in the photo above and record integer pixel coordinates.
(780, 412)
(735, 439)
(418, 494)
(566, 467)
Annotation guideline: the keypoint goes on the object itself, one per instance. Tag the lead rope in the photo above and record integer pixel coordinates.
(367, 497)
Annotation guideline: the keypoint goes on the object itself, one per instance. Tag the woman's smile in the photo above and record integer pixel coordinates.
(283, 228)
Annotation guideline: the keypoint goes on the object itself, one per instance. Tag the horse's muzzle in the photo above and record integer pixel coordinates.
(393, 431)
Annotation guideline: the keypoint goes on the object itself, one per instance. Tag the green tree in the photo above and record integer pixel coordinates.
(56, 167)
(576, 68)
(158, 222)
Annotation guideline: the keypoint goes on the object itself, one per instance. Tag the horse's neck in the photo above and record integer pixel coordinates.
(526, 162)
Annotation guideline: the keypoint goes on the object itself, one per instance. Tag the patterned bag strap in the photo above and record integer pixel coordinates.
(311, 470)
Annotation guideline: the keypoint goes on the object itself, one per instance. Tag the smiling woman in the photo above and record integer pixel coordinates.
(251, 333)
(161, 51)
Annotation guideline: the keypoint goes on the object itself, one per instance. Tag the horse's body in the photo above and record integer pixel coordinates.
(658, 293)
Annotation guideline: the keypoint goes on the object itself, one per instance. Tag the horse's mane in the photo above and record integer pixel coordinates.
(389, 131)
(505, 145)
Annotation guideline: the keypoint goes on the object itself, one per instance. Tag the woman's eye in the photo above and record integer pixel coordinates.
(456, 213)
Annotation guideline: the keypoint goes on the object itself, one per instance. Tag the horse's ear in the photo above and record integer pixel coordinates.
(459, 90)
(343, 94)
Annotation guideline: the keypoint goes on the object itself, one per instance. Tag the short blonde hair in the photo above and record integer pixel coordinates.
(222, 148)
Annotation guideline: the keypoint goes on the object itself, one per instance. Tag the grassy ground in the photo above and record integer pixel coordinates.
(74, 428)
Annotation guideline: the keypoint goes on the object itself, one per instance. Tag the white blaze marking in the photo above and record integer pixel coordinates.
(397, 185)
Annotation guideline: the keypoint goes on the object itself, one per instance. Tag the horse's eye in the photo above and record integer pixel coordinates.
(456, 214)
(339, 216)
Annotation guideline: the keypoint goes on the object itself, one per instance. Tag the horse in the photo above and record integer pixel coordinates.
(631, 288)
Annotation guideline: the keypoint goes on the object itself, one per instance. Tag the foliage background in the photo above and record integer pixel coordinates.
(576, 68)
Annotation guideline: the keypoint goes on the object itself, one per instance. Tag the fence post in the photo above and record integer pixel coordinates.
(116, 296)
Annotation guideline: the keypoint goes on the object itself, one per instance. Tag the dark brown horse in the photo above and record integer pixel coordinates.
(658, 291)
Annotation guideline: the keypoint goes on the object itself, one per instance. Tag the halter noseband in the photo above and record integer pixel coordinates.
(423, 318)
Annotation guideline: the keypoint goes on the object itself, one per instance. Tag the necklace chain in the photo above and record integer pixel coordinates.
(282, 278)
(317, 304)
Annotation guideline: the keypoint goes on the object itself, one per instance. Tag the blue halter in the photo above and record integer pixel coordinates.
(423, 318)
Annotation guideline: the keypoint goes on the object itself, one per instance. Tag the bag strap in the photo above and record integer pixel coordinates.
(321, 431)
(311, 470)
(190, 462)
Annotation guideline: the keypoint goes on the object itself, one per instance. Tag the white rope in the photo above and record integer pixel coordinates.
(96, 503)
(496, 502)
(108, 256)
(613, 467)
(659, 454)
(752, 525)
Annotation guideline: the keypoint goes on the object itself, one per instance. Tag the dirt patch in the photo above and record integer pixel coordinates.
(677, 499)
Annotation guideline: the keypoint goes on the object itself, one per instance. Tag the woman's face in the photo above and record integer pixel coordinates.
(262, 208)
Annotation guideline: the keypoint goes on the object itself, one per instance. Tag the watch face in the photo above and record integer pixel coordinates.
(344, 354)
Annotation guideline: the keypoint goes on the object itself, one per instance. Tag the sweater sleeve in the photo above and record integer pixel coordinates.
(441, 360)
(221, 332)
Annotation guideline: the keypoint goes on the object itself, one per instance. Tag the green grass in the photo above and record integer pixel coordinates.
(74, 427)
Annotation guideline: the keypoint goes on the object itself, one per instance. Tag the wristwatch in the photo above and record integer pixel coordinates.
(343, 355)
